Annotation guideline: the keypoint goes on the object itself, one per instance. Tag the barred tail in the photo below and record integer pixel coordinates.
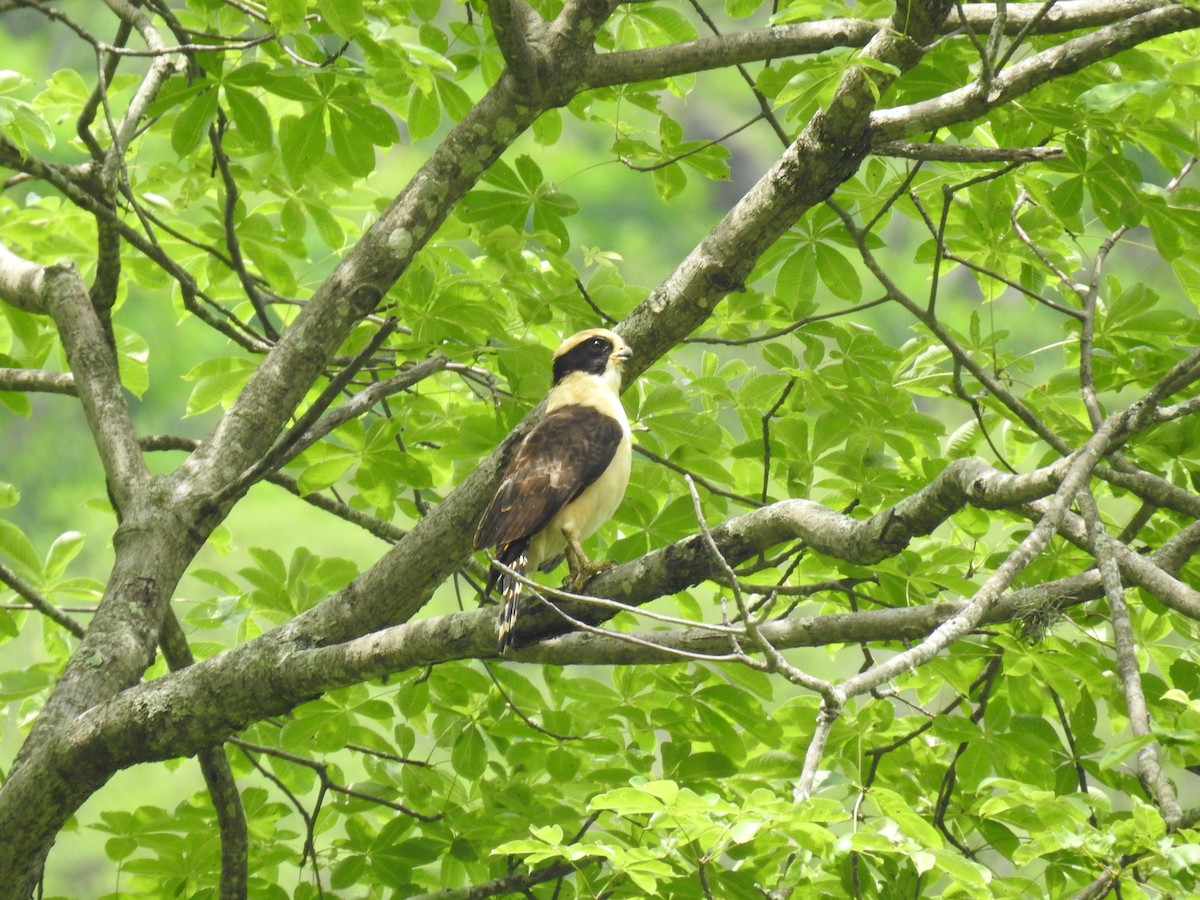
(516, 557)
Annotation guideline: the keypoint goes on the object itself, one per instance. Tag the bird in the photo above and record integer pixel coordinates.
(566, 478)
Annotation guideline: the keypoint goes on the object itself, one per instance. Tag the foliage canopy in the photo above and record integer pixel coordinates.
(904, 600)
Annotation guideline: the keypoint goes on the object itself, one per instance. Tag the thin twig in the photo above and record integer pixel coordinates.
(1149, 771)
(322, 771)
(26, 591)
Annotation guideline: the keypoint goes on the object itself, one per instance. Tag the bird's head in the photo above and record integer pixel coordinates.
(596, 351)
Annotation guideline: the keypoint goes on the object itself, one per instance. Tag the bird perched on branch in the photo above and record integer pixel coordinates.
(568, 475)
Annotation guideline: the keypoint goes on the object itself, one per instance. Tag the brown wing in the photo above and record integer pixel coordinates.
(566, 451)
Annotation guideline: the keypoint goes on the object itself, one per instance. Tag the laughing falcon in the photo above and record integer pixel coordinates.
(567, 476)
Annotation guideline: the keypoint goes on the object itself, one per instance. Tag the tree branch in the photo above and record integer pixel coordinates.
(986, 597)
(22, 283)
(1150, 773)
(30, 595)
(626, 66)
(59, 292)
(218, 777)
(965, 154)
(267, 676)
(1020, 78)
(1134, 567)
(38, 381)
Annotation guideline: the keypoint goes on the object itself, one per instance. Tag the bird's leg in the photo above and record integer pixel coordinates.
(582, 568)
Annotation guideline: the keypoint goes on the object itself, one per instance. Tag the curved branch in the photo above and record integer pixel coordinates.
(160, 70)
(1135, 568)
(970, 102)
(22, 283)
(702, 54)
(1150, 772)
(827, 152)
(514, 23)
(269, 675)
(59, 292)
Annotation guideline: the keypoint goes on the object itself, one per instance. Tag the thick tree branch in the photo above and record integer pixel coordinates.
(59, 292)
(515, 25)
(1135, 568)
(1079, 471)
(266, 677)
(36, 381)
(1150, 772)
(625, 66)
(965, 154)
(22, 283)
(1020, 78)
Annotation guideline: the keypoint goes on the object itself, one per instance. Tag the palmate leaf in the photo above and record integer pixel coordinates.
(19, 550)
(250, 116)
(217, 381)
(302, 141)
(344, 17)
(286, 16)
(192, 124)
(424, 115)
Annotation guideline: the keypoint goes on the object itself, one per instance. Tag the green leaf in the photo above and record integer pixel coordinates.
(326, 473)
(797, 278)
(424, 115)
(29, 127)
(9, 495)
(547, 128)
(217, 383)
(351, 146)
(293, 84)
(669, 181)
(133, 356)
(286, 16)
(1122, 750)
(11, 81)
(550, 834)
(376, 124)
(344, 17)
(119, 848)
(900, 811)
(302, 141)
(628, 801)
(20, 683)
(838, 273)
(64, 549)
(469, 754)
(250, 116)
(19, 550)
(319, 727)
(191, 126)
(458, 103)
